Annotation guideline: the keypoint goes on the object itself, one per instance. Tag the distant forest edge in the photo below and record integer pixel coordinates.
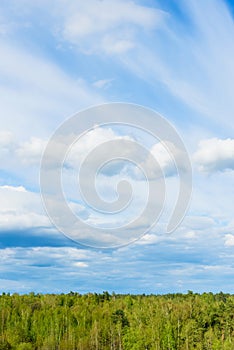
(115, 321)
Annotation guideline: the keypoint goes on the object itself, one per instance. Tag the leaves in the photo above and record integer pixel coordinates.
(126, 322)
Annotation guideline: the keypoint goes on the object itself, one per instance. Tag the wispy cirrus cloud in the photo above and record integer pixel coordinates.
(192, 61)
(42, 90)
(107, 27)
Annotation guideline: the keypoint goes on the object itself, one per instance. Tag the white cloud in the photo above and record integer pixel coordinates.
(198, 223)
(148, 239)
(20, 209)
(97, 136)
(21, 159)
(14, 189)
(6, 139)
(6, 146)
(43, 93)
(102, 83)
(80, 264)
(229, 240)
(27, 152)
(215, 155)
(30, 152)
(36, 94)
(107, 26)
(112, 45)
(165, 159)
(89, 141)
(200, 76)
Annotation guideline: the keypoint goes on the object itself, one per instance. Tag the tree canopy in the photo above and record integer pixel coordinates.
(128, 322)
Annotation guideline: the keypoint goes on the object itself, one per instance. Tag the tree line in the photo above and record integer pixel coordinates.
(117, 322)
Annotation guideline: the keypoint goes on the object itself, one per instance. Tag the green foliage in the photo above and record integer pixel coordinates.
(119, 317)
(119, 322)
(25, 346)
(4, 345)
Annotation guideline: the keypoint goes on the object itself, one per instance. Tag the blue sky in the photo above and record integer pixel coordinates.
(58, 58)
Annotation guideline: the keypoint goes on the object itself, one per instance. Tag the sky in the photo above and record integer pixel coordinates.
(58, 58)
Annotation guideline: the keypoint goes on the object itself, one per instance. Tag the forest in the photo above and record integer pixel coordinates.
(112, 321)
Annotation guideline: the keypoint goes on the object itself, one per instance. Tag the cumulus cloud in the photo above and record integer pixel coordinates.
(20, 209)
(23, 155)
(215, 155)
(97, 136)
(168, 161)
(30, 152)
(89, 141)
